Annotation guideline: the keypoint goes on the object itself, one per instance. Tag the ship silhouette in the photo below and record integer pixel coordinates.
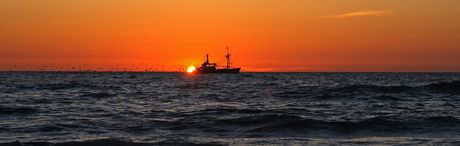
(207, 67)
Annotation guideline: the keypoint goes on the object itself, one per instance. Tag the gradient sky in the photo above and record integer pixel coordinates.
(263, 35)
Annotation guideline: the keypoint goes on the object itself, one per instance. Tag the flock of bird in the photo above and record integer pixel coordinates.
(143, 67)
(165, 66)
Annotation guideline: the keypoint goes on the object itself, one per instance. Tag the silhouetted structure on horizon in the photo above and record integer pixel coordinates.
(207, 67)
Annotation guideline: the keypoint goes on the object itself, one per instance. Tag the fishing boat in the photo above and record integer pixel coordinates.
(207, 67)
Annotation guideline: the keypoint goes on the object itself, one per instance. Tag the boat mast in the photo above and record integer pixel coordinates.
(228, 59)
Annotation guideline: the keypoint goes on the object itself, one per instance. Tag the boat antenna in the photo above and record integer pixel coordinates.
(228, 59)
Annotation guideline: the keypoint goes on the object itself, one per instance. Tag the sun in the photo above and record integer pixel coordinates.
(191, 69)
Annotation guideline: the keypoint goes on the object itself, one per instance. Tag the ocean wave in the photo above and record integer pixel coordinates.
(75, 85)
(118, 142)
(18, 110)
(191, 86)
(450, 84)
(50, 128)
(25, 87)
(335, 92)
(452, 87)
(108, 141)
(274, 123)
(57, 86)
(99, 95)
(388, 98)
(232, 111)
(371, 88)
(438, 87)
(449, 120)
(209, 141)
(168, 108)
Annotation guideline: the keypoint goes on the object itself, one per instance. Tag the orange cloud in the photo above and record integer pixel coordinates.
(361, 13)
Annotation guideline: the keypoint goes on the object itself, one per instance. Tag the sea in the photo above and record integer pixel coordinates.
(173, 108)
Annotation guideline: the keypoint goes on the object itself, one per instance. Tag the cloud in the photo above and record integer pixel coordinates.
(433, 9)
(360, 13)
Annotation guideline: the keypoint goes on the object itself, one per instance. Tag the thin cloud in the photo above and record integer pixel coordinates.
(360, 13)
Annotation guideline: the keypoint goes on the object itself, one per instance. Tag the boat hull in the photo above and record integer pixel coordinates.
(224, 70)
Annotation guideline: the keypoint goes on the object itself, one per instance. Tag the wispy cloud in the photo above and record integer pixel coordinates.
(433, 9)
(360, 13)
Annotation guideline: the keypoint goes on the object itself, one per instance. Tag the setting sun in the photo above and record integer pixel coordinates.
(177, 72)
(264, 36)
(191, 69)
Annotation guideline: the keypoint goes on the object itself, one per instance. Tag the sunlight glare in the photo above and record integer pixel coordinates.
(191, 69)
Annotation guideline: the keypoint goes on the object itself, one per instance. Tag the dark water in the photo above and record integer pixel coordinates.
(46, 108)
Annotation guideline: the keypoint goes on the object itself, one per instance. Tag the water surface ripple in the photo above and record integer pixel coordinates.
(46, 108)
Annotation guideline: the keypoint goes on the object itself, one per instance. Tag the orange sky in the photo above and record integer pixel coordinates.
(263, 35)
